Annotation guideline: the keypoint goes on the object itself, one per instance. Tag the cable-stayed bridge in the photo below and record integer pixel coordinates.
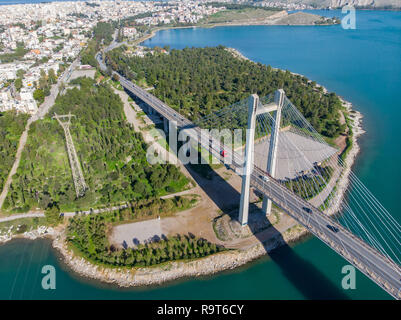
(288, 162)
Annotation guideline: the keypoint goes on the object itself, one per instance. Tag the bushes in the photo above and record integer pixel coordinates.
(52, 216)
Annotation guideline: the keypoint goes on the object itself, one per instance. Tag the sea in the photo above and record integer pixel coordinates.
(362, 65)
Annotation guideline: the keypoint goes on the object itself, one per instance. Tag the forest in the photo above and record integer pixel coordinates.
(88, 234)
(112, 156)
(12, 124)
(200, 81)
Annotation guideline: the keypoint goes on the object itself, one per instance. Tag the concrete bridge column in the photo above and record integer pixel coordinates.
(272, 157)
(248, 157)
(165, 124)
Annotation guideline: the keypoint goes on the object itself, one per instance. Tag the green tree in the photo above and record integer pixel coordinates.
(18, 84)
(53, 216)
(39, 96)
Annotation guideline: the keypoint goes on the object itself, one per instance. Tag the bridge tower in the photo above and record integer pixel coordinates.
(254, 109)
(77, 175)
(248, 160)
(272, 156)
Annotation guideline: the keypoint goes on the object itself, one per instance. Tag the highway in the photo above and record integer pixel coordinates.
(380, 269)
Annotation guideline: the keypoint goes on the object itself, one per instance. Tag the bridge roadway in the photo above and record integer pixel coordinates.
(380, 269)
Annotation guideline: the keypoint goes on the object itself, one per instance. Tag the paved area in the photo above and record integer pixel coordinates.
(295, 153)
(77, 73)
(131, 234)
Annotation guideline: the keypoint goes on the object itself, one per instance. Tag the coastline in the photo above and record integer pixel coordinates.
(124, 277)
(225, 24)
(139, 277)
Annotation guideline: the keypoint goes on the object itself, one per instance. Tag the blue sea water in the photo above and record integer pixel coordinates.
(363, 66)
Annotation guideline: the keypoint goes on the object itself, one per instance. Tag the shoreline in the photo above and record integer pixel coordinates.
(172, 271)
(146, 276)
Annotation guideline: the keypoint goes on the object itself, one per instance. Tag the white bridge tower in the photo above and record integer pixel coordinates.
(254, 109)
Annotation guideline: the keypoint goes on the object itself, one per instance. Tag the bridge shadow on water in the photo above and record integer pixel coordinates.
(302, 274)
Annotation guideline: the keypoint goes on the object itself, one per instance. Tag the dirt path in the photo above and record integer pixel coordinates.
(14, 168)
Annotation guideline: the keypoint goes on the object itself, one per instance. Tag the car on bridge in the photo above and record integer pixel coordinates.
(306, 209)
(332, 228)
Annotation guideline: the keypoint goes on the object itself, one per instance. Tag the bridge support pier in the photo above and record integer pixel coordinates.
(272, 156)
(248, 157)
(165, 125)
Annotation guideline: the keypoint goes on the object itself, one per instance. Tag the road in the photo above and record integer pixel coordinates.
(380, 269)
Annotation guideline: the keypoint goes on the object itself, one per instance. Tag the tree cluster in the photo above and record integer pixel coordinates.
(200, 81)
(12, 125)
(112, 156)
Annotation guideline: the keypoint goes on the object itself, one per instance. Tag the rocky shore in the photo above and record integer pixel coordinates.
(124, 277)
(40, 232)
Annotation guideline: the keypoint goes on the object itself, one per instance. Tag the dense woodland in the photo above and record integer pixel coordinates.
(111, 153)
(11, 127)
(88, 234)
(200, 81)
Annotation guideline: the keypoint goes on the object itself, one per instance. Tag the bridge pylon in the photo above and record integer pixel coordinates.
(272, 156)
(248, 160)
(254, 109)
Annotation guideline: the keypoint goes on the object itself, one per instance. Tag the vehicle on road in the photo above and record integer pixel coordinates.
(264, 178)
(332, 228)
(223, 153)
(306, 209)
